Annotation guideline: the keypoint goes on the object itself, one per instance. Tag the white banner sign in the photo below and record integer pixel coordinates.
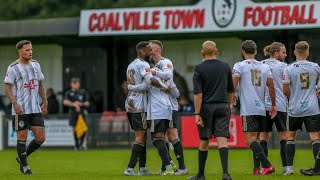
(58, 133)
(206, 16)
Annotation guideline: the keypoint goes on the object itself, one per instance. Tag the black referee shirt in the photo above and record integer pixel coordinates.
(213, 78)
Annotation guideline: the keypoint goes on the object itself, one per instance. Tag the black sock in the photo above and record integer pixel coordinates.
(33, 146)
(162, 151)
(264, 145)
(290, 151)
(21, 150)
(135, 154)
(258, 151)
(202, 156)
(178, 151)
(283, 152)
(82, 139)
(168, 148)
(315, 147)
(76, 140)
(256, 162)
(143, 157)
(317, 164)
(224, 158)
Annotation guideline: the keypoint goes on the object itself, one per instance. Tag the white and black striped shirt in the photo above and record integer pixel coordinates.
(25, 85)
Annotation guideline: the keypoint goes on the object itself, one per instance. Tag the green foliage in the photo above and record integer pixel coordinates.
(35, 9)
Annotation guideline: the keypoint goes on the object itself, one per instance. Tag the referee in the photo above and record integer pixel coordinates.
(213, 90)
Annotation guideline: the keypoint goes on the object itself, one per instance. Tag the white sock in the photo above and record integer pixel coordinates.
(142, 168)
(130, 169)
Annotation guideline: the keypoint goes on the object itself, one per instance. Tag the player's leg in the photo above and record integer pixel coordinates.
(251, 126)
(293, 124)
(158, 129)
(220, 130)
(312, 124)
(21, 125)
(37, 127)
(280, 122)
(313, 127)
(177, 145)
(205, 134)
(140, 134)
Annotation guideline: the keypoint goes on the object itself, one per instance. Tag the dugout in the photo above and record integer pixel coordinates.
(98, 45)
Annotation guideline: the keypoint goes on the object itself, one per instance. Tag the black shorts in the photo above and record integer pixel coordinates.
(253, 123)
(26, 121)
(216, 120)
(312, 123)
(159, 125)
(138, 121)
(175, 119)
(280, 122)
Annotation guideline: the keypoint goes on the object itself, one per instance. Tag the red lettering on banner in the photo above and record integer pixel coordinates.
(184, 18)
(312, 20)
(92, 19)
(128, 18)
(155, 20)
(283, 15)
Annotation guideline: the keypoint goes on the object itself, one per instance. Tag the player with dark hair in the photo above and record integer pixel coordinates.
(253, 78)
(23, 86)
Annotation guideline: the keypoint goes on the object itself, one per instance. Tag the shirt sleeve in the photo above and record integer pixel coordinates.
(167, 70)
(10, 76)
(230, 81)
(144, 69)
(286, 76)
(236, 71)
(67, 95)
(269, 72)
(197, 81)
(144, 86)
(41, 76)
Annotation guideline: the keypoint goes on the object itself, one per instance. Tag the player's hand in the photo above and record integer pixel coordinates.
(273, 112)
(153, 72)
(234, 100)
(318, 93)
(199, 121)
(18, 109)
(168, 90)
(44, 107)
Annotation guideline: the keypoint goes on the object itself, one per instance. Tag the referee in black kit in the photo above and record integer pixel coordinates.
(213, 91)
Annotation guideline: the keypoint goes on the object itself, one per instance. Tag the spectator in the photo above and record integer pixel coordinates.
(53, 103)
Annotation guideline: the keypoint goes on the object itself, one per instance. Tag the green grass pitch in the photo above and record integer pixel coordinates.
(110, 164)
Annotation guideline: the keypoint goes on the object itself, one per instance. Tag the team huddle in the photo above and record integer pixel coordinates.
(264, 88)
(270, 92)
(152, 104)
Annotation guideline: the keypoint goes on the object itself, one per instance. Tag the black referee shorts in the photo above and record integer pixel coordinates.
(280, 122)
(26, 121)
(216, 120)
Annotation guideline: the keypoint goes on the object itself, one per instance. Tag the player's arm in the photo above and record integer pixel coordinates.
(286, 82)
(144, 86)
(43, 96)
(174, 91)
(230, 87)
(197, 96)
(154, 82)
(165, 74)
(272, 93)
(8, 82)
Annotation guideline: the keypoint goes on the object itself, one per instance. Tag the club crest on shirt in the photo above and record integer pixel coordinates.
(21, 124)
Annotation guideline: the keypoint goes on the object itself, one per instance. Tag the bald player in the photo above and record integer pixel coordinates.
(213, 91)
